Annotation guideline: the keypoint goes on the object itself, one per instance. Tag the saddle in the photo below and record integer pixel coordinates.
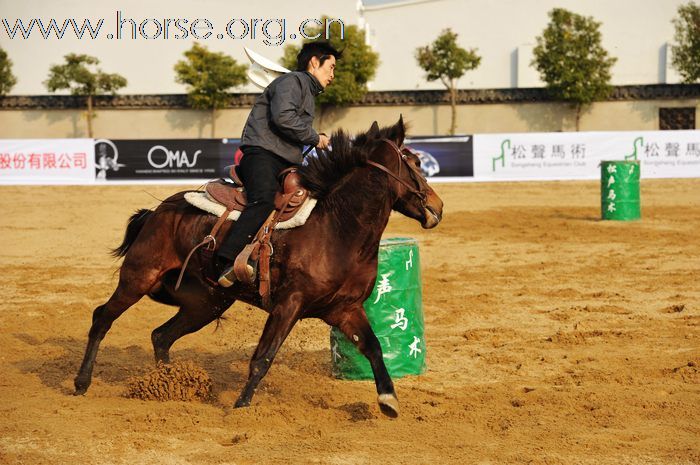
(288, 201)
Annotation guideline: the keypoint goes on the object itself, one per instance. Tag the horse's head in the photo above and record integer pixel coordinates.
(414, 197)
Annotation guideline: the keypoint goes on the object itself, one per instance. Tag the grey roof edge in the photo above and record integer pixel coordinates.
(377, 98)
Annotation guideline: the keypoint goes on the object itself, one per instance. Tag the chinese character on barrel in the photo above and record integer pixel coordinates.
(395, 311)
(619, 188)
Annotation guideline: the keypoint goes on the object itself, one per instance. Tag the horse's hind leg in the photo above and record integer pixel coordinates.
(187, 320)
(128, 292)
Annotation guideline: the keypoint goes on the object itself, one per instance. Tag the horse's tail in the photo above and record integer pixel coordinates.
(133, 228)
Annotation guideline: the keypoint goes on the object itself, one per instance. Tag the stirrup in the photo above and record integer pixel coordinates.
(228, 277)
(244, 267)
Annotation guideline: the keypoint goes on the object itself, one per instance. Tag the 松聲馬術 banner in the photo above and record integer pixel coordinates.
(577, 155)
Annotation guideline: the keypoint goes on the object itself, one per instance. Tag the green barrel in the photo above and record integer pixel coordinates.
(395, 311)
(619, 190)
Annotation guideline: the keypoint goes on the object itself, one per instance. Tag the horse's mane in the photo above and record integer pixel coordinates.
(321, 173)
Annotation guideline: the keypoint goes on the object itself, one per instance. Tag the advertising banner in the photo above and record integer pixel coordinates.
(577, 155)
(482, 157)
(162, 159)
(443, 157)
(47, 161)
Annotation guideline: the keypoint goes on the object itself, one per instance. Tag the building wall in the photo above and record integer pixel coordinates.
(148, 63)
(504, 31)
(423, 120)
(120, 124)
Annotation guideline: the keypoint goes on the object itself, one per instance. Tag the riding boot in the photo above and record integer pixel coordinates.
(258, 170)
(228, 277)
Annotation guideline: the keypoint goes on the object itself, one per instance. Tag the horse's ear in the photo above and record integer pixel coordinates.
(374, 131)
(400, 131)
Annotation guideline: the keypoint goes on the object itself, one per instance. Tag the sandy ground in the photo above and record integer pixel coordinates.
(553, 337)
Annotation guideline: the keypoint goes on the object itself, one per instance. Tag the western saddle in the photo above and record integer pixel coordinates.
(233, 197)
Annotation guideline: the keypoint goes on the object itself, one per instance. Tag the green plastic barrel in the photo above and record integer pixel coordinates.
(619, 189)
(395, 311)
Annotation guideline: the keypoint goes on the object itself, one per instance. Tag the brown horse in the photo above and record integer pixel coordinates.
(325, 269)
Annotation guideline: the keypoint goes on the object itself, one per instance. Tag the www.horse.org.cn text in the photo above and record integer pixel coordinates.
(271, 31)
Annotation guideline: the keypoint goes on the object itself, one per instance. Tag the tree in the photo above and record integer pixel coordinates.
(572, 61)
(447, 61)
(209, 76)
(686, 54)
(353, 71)
(80, 75)
(7, 79)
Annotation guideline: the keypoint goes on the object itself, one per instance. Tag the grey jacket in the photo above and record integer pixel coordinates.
(282, 117)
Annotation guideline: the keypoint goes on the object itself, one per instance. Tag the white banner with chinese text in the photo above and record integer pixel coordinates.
(577, 155)
(47, 161)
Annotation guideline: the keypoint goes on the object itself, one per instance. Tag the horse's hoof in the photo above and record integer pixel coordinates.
(162, 359)
(389, 405)
(80, 388)
(240, 403)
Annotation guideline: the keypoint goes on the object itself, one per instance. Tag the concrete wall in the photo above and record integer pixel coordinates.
(423, 120)
(504, 32)
(148, 63)
(634, 31)
(120, 124)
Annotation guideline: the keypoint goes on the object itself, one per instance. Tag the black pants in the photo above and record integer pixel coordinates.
(258, 170)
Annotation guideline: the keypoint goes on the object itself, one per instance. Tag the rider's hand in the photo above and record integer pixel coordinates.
(323, 141)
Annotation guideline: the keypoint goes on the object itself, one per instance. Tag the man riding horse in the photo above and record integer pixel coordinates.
(355, 187)
(277, 129)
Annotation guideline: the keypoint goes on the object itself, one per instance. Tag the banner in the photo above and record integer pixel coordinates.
(440, 157)
(47, 161)
(162, 159)
(443, 157)
(577, 155)
(482, 157)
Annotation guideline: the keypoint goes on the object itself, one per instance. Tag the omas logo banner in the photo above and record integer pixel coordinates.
(162, 159)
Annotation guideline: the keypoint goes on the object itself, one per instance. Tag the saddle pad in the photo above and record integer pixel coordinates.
(202, 201)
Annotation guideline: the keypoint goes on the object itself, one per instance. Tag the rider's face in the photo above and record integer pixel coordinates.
(324, 73)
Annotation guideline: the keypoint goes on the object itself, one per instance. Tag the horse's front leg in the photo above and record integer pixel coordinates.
(354, 324)
(282, 319)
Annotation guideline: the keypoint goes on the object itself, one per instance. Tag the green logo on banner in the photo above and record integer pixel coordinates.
(633, 155)
(502, 157)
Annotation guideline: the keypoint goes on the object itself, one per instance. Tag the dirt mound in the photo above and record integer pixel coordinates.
(359, 411)
(178, 381)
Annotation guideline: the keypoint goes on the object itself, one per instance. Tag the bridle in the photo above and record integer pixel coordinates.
(412, 171)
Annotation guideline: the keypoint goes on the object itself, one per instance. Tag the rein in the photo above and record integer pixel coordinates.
(402, 161)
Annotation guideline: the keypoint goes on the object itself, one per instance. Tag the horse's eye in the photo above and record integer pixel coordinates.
(413, 157)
